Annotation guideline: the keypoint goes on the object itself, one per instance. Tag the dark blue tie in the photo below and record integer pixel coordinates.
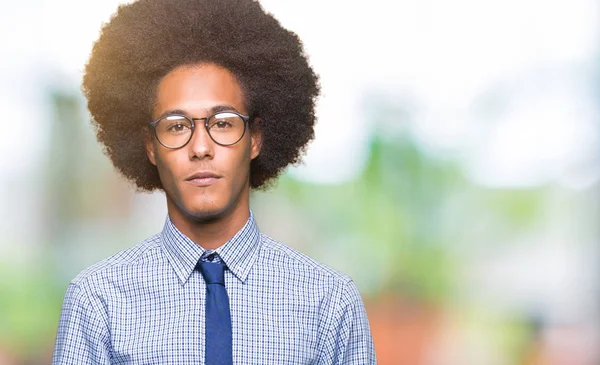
(218, 320)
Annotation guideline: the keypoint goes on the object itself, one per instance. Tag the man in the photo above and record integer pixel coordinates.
(206, 99)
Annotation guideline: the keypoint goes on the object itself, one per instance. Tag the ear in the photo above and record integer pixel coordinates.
(149, 145)
(256, 138)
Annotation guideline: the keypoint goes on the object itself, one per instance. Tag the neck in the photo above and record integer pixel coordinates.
(210, 233)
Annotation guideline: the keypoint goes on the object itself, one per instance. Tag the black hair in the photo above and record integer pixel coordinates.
(147, 39)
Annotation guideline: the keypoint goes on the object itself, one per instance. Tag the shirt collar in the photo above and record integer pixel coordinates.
(239, 253)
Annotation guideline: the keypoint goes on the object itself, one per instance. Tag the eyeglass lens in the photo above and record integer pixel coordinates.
(175, 131)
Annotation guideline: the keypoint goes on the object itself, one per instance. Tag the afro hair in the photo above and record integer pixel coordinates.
(147, 39)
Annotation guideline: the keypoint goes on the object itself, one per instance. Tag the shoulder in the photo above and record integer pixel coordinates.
(287, 258)
(143, 252)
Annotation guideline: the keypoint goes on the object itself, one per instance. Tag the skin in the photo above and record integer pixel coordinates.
(212, 214)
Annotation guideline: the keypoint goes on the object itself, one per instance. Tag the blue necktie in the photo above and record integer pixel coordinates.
(218, 320)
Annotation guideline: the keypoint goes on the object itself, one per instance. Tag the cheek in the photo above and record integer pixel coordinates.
(244, 158)
(167, 167)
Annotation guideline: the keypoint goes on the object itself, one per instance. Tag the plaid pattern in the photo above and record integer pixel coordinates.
(145, 305)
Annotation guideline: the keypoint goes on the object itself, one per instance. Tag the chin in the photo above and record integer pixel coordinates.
(205, 206)
(205, 212)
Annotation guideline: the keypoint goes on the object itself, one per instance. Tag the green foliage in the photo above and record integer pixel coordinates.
(521, 207)
(30, 301)
(388, 222)
(400, 225)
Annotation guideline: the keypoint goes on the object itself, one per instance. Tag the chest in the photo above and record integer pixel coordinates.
(274, 321)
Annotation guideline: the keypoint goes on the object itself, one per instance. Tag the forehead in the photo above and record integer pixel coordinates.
(196, 89)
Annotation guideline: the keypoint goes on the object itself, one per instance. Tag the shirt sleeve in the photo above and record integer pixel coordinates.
(83, 336)
(350, 341)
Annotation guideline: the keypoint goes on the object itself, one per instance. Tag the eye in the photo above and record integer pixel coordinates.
(175, 124)
(225, 122)
(178, 127)
(222, 124)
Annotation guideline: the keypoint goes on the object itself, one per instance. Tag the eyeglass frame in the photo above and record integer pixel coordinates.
(154, 123)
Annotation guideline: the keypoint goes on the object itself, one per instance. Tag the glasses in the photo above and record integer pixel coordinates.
(176, 130)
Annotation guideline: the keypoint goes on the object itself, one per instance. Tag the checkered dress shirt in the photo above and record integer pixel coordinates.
(145, 305)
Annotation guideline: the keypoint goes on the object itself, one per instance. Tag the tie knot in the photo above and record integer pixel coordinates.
(213, 272)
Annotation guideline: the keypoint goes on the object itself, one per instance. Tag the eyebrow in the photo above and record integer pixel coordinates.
(213, 110)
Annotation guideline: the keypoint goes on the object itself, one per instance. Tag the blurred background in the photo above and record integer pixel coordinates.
(455, 174)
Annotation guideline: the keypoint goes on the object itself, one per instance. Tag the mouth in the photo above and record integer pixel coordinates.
(203, 178)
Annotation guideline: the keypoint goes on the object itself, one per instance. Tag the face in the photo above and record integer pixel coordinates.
(203, 181)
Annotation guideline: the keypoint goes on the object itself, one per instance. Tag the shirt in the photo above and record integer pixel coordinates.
(145, 305)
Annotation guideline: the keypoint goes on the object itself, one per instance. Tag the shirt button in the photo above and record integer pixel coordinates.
(211, 257)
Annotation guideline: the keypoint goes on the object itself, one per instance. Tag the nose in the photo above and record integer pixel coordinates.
(201, 145)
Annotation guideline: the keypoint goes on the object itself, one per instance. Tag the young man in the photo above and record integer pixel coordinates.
(206, 99)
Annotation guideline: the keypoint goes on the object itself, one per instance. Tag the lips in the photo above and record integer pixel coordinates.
(203, 178)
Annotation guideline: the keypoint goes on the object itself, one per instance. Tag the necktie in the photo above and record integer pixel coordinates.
(218, 319)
